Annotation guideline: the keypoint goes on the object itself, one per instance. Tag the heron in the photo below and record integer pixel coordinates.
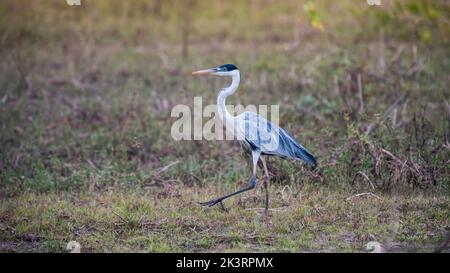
(258, 135)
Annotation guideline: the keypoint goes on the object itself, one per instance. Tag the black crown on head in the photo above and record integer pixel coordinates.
(228, 67)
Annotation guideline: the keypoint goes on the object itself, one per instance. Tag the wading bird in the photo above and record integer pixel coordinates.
(258, 135)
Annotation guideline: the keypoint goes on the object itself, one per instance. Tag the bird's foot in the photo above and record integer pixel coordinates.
(211, 203)
(214, 202)
(223, 207)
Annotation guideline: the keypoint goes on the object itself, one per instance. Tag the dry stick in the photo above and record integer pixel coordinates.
(397, 54)
(17, 160)
(394, 118)
(446, 145)
(121, 217)
(362, 194)
(194, 176)
(93, 165)
(160, 171)
(273, 209)
(284, 188)
(365, 177)
(391, 108)
(391, 155)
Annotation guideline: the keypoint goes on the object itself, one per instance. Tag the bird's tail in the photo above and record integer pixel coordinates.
(303, 154)
(296, 150)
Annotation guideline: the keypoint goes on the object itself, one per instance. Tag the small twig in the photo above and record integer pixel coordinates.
(365, 177)
(391, 155)
(386, 114)
(194, 176)
(318, 211)
(282, 191)
(165, 168)
(362, 194)
(274, 209)
(17, 160)
(403, 166)
(394, 118)
(92, 165)
(397, 54)
(446, 145)
(120, 216)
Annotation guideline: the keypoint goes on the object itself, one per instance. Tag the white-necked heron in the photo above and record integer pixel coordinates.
(260, 136)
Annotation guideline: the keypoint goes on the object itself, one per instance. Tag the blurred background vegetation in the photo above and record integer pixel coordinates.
(86, 92)
(94, 85)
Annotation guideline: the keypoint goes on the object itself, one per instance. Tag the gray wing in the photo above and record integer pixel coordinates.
(261, 134)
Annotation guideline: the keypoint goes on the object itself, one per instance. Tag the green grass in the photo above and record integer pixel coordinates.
(160, 221)
(85, 101)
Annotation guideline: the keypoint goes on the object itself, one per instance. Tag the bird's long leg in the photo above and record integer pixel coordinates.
(251, 184)
(266, 184)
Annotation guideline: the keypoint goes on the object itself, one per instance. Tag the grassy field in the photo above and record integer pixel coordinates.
(86, 152)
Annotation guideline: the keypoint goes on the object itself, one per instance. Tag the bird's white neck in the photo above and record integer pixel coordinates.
(223, 113)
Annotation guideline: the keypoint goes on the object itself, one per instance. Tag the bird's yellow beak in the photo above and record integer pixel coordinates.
(204, 72)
